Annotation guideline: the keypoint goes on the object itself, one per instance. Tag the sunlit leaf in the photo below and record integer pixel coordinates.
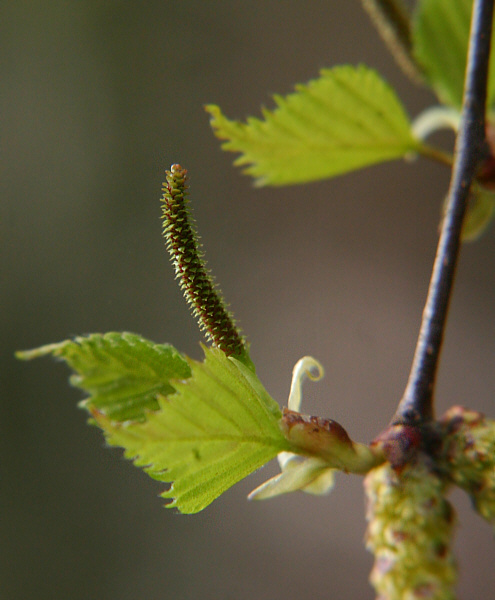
(122, 372)
(440, 43)
(219, 427)
(346, 119)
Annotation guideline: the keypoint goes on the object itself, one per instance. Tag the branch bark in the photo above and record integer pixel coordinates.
(416, 405)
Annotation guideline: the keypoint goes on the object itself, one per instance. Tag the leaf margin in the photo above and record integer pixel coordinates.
(187, 495)
(235, 134)
(108, 365)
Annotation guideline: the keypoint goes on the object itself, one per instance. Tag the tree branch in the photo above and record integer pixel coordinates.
(417, 403)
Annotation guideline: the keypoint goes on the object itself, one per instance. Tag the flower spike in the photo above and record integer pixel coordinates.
(196, 282)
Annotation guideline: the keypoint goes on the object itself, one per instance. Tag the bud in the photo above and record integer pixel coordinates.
(308, 474)
(469, 456)
(410, 531)
(319, 446)
(328, 440)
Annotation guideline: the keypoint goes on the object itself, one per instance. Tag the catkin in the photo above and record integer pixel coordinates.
(195, 280)
(469, 456)
(410, 531)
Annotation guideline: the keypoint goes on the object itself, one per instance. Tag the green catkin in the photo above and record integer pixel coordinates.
(196, 282)
(469, 456)
(410, 531)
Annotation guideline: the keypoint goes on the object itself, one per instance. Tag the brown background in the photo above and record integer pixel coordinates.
(97, 99)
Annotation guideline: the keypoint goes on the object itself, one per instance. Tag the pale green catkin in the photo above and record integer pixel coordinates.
(410, 531)
(469, 456)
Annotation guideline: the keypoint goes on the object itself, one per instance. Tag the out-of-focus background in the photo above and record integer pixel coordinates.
(98, 98)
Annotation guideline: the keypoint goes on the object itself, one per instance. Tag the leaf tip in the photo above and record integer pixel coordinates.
(215, 114)
(39, 352)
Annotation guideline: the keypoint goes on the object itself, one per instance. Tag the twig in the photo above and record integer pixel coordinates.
(393, 24)
(416, 405)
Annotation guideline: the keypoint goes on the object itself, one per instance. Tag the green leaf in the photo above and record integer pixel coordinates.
(219, 427)
(479, 214)
(346, 119)
(440, 44)
(122, 372)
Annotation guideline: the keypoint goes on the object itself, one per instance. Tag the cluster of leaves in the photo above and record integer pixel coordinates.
(203, 426)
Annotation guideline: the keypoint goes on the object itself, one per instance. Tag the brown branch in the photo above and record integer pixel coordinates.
(416, 405)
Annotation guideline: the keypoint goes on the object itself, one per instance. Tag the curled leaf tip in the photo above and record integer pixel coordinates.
(433, 119)
(306, 367)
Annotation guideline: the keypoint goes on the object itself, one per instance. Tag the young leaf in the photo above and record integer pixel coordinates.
(308, 474)
(122, 372)
(346, 119)
(479, 213)
(219, 427)
(440, 43)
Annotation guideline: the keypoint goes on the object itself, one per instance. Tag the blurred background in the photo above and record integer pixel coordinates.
(98, 98)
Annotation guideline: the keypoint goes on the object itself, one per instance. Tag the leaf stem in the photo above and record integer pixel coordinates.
(392, 22)
(416, 405)
(436, 154)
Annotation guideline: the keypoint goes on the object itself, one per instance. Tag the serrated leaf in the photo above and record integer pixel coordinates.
(346, 119)
(440, 44)
(219, 427)
(122, 372)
